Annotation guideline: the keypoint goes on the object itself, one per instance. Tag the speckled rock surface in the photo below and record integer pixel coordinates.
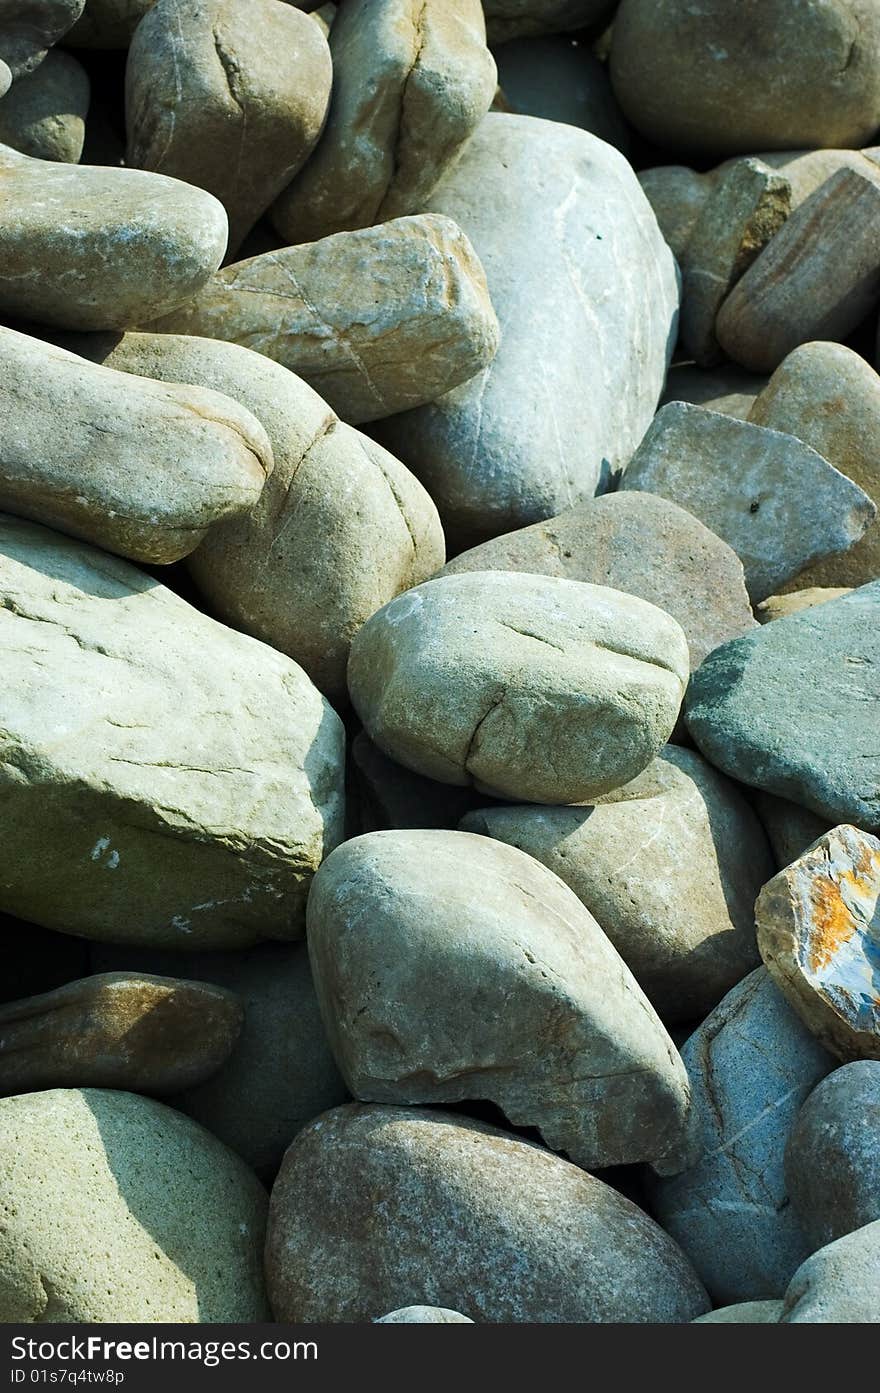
(744, 1313)
(517, 1233)
(29, 28)
(530, 687)
(131, 742)
(838, 1285)
(819, 934)
(832, 1161)
(429, 997)
(45, 114)
(423, 1315)
(751, 1064)
(119, 1209)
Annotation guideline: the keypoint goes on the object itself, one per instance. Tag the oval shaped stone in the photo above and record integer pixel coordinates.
(45, 114)
(832, 1161)
(838, 1285)
(29, 28)
(533, 687)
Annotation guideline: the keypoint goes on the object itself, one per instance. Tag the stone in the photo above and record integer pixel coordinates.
(531, 687)
(324, 17)
(641, 544)
(726, 79)
(107, 23)
(791, 708)
(791, 829)
(412, 79)
(119, 1209)
(45, 113)
(423, 1315)
(818, 926)
(677, 195)
(830, 397)
(744, 1313)
(561, 79)
(429, 995)
(29, 28)
(140, 468)
(166, 780)
(5, 78)
(727, 388)
(516, 1234)
(669, 865)
(587, 295)
(782, 506)
(376, 320)
(838, 1285)
(207, 100)
(281, 1073)
(86, 247)
(509, 19)
(832, 1161)
(117, 1030)
(807, 170)
(751, 1064)
(780, 606)
(388, 796)
(817, 279)
(747, 207)
(303, 569)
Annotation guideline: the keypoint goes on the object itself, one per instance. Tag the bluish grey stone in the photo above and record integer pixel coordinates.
(839, 1285)
(832, 1162)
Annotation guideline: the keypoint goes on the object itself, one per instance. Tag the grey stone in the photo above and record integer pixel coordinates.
(430, 995)
(677, 195)
(791, 708)
(818, 926)
(790, 828)
(669, 865)
(727, 388)
(423, 1315)
(45, 113)
(530, 687)
(807, 170)
(779, 506)
(165, 780)
(744, 1313)
(832, 1162)
(515, 1233)
(839, 1285)
(586, 292)
(561, 79)
(508, 19)
(29, 28)
(751, 1064)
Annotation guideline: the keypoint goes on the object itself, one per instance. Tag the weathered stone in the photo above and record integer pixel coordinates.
(830, 397)
(792, 708)
(781, 606)
(817, 278)
(138, 468)
(29, 28)
(86, 247)
(744, 1313)
(839, 1285)
(669, 865)
(782, 506)
(727, 388)
(726, 78)
(45, 113)
(791, 829)
(376, 320)
(107, 23)
(516, 1234)
(411, 81)
(509, 19)
(432, 996)
(165, 780)
(117, 1030)
(638, 543)
(389, 796)
(531, 687)
(281, 1073)
(832, 1162)
(748, 206)
(303, 569)
(819, 934)
(559, 79)
(423, 1315)
(751, 1064)
(586, 291)
(677, 195)
(208, 101)
(119, 1209)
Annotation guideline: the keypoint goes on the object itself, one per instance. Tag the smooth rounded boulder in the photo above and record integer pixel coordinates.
(29, 28)
(832, 1161)
(517, 1234)
(838, 1285)
(165, 780)
(127, 463)
(118, 1209)
(432, 996)
(669, 865)
(44, 115)
(531, 687)
(230, 95)
(89, 247)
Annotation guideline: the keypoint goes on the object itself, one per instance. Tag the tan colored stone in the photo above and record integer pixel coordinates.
(5, 78)
(85, 247)
(29, 28)
(677, 195)
(780, 606)
(118, 1030)
(819, 935)
(817, 278)
(807, 170)
(210, 99)
(411, 81)
(376, 320)
(830, 397)
(45, 113)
